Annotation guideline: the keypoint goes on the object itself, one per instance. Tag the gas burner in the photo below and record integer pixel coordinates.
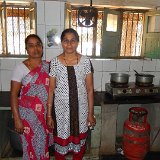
(118, 85)
(131, 89)
(144, 84)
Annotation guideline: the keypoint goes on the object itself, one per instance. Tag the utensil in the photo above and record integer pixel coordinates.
(144, 78)
(136, 72)
(119, 78)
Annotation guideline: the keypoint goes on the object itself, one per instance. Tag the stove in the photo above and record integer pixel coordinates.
(131, 89)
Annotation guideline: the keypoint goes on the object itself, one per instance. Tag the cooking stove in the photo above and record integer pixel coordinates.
(131, 89)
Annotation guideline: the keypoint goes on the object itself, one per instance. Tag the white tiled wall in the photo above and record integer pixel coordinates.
(51, 14)
(103, 68)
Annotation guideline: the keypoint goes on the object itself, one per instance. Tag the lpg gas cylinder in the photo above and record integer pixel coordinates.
(136, 134)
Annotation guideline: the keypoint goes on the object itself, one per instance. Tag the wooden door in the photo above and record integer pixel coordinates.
(151, 35)
(111, 39)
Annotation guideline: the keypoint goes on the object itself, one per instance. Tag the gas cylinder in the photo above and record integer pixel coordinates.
(136, 134)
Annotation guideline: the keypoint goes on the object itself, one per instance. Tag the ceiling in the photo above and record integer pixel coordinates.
(138, 4)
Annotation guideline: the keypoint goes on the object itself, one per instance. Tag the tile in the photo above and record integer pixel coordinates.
(149, 65)
(41, 32)
(156, 79)
(52, 13)
(123, 65)
(40, 13)
(8, 64)
(109, 65)
(136, 65)
(132, 77)
(97, 81)
(62, 14)
(158, 65)
(20, 60)
(105, 79)
(51, 53)
(97, 64)
(5, 79)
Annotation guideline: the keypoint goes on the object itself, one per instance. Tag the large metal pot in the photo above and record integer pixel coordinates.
(144, 78)
(119, 78)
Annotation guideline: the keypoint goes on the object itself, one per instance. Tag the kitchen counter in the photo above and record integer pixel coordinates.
(99, 98)
(108, 99)
(5, 98)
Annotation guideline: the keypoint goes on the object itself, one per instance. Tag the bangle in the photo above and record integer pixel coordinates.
(49, 116)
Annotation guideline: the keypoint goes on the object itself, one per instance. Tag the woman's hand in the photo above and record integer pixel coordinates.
(50, 122)
(19, 128)
(91, 120)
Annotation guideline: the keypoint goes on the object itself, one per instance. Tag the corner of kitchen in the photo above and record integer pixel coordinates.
(124, 90)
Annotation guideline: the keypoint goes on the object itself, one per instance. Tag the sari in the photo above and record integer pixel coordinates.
(32, 108)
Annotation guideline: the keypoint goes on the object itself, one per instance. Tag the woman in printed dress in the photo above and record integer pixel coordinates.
(29, 94)
(71, 93)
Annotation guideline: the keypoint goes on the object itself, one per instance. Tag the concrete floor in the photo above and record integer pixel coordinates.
(149, 156)
(52, 158)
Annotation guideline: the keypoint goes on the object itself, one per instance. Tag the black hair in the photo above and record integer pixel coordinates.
(32, 36)
(69, 30)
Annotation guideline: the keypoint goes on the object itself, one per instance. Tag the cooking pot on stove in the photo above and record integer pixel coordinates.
(119, 78)
(144, 78)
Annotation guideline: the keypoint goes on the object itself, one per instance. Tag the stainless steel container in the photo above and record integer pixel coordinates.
(119, 78)
(144, 78)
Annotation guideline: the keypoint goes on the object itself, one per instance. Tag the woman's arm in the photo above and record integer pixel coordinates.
(15, 89)
(90, 94)
(52, 86)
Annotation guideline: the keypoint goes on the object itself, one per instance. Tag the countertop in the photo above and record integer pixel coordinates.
(5, 98)
(108, 99)
(99, 99)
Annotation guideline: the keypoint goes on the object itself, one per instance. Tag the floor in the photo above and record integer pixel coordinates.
(149, 156)
(52, 158)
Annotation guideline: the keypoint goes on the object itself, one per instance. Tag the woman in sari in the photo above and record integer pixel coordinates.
(29, 94)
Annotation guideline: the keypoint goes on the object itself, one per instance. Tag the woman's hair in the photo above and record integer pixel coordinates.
(70, 30)
(33, 36)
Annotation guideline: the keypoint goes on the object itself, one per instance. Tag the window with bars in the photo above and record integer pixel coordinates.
(132, 31)
(90, 37)
(16, 22)
(130, 37)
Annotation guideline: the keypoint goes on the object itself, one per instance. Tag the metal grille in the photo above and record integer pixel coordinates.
(16, 25)
(90, 38)
(132, 31)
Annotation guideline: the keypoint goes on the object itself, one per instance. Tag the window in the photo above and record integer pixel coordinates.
(17, 20)
(132, 31)
(118, 34)
(90, 37)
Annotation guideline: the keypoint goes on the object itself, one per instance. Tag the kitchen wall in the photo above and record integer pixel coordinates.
(50, 14)
(102, 69)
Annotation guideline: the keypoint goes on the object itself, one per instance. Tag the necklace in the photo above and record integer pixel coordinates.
(65, 60)
(30, 66)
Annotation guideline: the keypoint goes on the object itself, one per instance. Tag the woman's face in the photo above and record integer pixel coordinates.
(69, 43)
(34, 48)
